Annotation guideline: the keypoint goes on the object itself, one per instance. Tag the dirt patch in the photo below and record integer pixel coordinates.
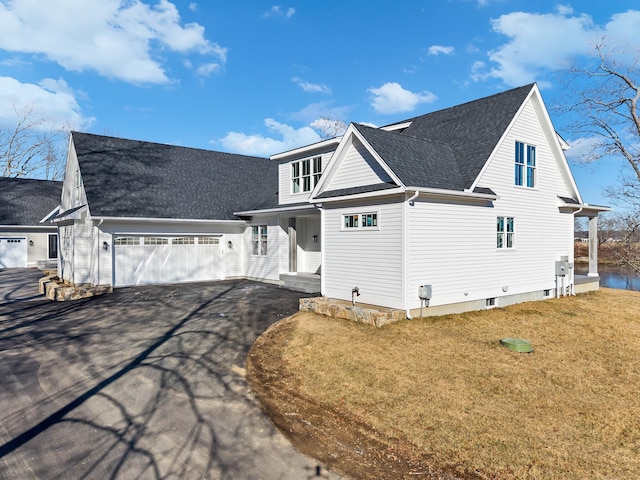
(336, 438)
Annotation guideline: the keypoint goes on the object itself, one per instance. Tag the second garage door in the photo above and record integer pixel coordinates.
(13, 252)
(162, 259)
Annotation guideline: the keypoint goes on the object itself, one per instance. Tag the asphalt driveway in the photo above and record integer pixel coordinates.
(147, 382)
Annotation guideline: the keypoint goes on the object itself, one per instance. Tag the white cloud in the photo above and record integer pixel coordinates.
(207, 69)
(116, 38)
(317, 110)
(256, 144)
(193, 7)
(392, 98)
(311, 87)
(584, 149)
(51, 100)
(278, 11)
(539, 43)
(440, 49)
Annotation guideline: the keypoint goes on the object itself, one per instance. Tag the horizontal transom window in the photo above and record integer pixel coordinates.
(183, 241)
(156, 241)
(360, 221)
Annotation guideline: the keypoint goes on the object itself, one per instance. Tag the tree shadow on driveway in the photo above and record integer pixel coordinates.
(144, 383)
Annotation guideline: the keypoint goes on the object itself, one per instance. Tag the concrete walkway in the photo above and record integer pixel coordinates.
(143, 383)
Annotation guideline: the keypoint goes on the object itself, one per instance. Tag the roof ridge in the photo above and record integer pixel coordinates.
(169, 145)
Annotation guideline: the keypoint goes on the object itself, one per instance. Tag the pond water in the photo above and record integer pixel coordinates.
(612, 276)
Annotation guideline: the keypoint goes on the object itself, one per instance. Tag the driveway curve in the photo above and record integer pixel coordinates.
(147, 382)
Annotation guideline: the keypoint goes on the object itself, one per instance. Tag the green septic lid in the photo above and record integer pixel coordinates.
(517, 344)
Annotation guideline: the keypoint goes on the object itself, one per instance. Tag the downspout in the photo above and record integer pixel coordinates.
(405, 250)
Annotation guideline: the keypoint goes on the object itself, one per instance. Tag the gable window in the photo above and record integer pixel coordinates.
(305, 174)
(505, 228)
(362, 220)
(525, 165)
(259, 240)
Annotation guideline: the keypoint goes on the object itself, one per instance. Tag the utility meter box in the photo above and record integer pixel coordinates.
(562, 268)
(424, 292)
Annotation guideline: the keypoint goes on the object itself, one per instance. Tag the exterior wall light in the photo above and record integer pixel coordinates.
(314, 238)
(230, 245)
(105, 246)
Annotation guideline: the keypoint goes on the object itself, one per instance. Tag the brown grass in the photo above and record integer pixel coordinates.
(570, 409)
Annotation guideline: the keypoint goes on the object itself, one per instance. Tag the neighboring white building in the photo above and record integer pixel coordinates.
(27, 238)
(476, 200)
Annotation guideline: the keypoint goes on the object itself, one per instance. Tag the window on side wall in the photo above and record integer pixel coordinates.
(353, 221)
(259, 240)
(505, 228)
(305, 174)
(53, 246)
(525, 165)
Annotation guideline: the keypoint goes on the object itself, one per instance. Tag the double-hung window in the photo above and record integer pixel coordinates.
(259, 239)
(505, 228)
(305, 174)
(525, 165)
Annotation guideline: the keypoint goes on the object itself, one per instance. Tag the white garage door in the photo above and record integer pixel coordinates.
(13, 252)
(157, 260)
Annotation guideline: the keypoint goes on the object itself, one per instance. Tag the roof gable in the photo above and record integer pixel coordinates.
(131, 178)
(25, 201)
(472, 130)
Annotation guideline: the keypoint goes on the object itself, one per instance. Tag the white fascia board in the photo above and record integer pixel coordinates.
(397, 126)
(300, 208)
(166, 220)
(28, 228)
(302, 151)
(563, 143)
(337, 156)
(358, 196)
(498, 145)
(585, 208)
(52, 213)
(467, 195)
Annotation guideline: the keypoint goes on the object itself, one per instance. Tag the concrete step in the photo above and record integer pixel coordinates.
(307, 283)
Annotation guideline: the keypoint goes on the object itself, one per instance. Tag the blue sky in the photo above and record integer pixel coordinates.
(258, 77)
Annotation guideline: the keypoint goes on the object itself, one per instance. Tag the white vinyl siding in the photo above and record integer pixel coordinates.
(285, 189)
(370, 259)
(453, 247)
(265, 267)
(358, 168)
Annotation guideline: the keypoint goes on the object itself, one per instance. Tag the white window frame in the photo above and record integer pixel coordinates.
(208, 240)
(183, 241)
(305, 174)
(505, 233)
(360, 221)
(259, 240)
(525, 174)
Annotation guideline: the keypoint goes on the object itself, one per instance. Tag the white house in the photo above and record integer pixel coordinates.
(27, 238)
(477, 201)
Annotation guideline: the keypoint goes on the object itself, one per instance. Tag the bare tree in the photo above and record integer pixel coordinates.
(329, 127)
(33, 147)
(605, 99)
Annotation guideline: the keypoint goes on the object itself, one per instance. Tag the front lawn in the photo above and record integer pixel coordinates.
(471, 407)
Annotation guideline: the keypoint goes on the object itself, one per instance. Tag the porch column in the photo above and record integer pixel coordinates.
(293, 245)
(593, 246)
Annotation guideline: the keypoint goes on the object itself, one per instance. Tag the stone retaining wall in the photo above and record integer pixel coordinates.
(369, 314)
(55, 289)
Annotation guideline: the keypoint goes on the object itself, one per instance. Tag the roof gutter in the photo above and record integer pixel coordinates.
(277, 210)
(165, 220)
(439, 192)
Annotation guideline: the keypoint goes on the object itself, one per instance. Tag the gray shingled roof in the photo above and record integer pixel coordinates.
(25, 201)
(130, 178)
(448, 148)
